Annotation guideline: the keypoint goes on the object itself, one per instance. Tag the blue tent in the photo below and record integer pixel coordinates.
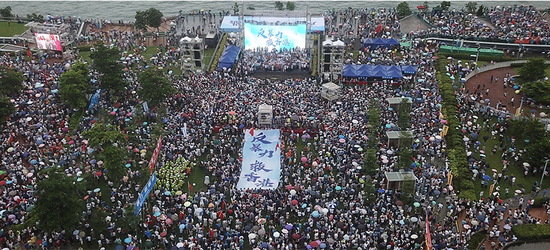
(373, 71)
(409, 69)
(378, 42)
(228, 57)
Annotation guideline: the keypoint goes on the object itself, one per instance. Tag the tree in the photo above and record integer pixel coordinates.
(404, 119)
(6, 12)
(426, 6)
(371, 161)
(538, 91)
(533, 69)
(154, 18)
(403, 9)
(105, 60)
(480, 11)
(445, 5)
(235, 8)
(7, 108)
(154, 87)
(151, 17)
(471, 7)
(10, 81)
(250, 8)
(141, 20)
(74, 86)
(111, 143)
(290, 5)
(59, 203)
(279, 5)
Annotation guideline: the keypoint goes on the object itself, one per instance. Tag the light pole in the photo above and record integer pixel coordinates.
(477, 58)
(543, 171)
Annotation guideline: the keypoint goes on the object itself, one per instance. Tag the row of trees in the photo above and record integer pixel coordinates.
(148, 18)
(536, 83)
(403, 9)
(10, 83)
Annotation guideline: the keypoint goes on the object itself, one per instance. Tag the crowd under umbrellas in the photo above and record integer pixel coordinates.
(322, 202)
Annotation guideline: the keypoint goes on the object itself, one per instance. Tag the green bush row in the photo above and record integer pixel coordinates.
(314, 62)
(218, 54)
(461, 56)
(516, 65)
(532, 231)
(456, 152)
(84, 48)
(539, 201)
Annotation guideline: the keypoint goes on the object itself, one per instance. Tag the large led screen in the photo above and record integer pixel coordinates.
(271, 36)
(48, 41)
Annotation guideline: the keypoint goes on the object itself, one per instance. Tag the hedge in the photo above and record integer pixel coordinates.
(456, 152)
(84, 48)
(221, 48)
(475, 240)
(539, 201)
(481, 58)
(314, 62)
(532, 231)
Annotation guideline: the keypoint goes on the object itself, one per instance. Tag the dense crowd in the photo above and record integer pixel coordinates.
(507, 24)
(330, 200)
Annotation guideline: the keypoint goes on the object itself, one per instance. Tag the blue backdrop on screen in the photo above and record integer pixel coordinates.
(274, 36)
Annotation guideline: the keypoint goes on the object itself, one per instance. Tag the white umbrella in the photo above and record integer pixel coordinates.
(414, 236)
(526, 164)
(180, 244)
(251, 236)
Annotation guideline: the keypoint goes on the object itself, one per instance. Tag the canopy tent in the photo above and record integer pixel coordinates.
(471, 51)
(375, 71)
(228, 57)
(408, 69)
(378, 42)
(405, 44)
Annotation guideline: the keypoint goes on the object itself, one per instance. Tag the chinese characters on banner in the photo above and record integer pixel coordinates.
(155, 156)
(145, 192)
(261, 167)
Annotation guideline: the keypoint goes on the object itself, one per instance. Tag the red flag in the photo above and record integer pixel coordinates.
(220, 214)
(277, 146)
(211, 233)
(538, 38)
(223, 205)
(252, 131)
(379, 28)
(418, 27)
(11, 139)
(29, 53)
(428, 236)
(190, 187)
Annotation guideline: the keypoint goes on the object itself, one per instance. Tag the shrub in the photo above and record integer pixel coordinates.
(532, 231)
(84, 48)
(218, 54)
(314, 62)
(539, 201)
(475, 240)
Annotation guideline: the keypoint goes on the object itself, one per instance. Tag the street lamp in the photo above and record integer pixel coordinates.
(477, 58)
(544, 171)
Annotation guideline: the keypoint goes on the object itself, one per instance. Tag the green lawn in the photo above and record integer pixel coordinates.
(495, 162)
(208, 56)
(13, 29)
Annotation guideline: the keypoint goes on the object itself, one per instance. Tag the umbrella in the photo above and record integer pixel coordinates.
(296, 236)
(414, 219)
(474, 222)
(381, 191)
(315, 214)
(416, 204)
(480, 217)
(127, 240)
(507, 227)
(119, 247)
(487, 178)
(314, 244)
(97, 190)
(414, 236)
(289, 226)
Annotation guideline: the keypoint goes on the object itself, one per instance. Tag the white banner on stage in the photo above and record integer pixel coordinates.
(261, 166)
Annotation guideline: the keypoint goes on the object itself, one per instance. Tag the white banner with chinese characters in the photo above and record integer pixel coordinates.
(261, 167)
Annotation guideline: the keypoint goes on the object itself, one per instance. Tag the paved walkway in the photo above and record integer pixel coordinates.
(411, 23)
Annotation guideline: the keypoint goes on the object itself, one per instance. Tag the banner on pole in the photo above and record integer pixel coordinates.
(155, 156)
(261, 165)
(145, 192)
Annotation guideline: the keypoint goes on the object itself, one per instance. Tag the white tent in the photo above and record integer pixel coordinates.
(338, 44)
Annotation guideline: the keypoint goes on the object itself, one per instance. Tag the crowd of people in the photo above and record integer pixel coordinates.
(507, 24)
(334, 199)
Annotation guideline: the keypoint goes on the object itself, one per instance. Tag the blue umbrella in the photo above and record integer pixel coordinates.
(167, 193)
(315, 214)
(304, 205)
(33, 162)
(157, 214)
(481, 218)
(516, 87)
(241, 126)
(119, 247)
(323, 245)
(148, 233)
(487, 178)
(182, 226)
(265, 245)
(127, 240)
(341, 137)
(128, 165)
(388, 126)
(381, 191)
(93, 161)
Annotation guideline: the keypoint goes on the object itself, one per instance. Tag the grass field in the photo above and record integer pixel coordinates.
(495, 162)
(13, 29)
